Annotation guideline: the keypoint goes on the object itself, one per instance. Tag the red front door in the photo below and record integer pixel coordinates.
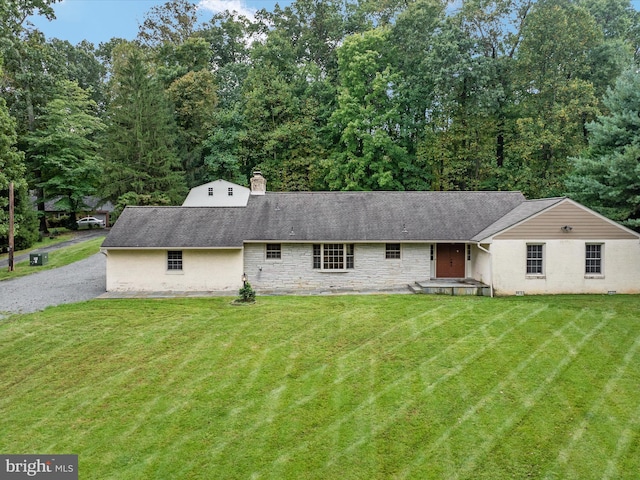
(450, 260)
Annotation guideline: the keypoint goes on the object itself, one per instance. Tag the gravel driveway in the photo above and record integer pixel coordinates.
(77, 282)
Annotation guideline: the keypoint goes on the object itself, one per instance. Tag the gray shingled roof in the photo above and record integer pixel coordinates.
(518, 214)
(316, 217)
(179, 227)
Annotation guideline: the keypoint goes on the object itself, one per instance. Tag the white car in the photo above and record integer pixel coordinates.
(90, 222)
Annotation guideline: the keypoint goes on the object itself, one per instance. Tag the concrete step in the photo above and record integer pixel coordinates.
(435, 287)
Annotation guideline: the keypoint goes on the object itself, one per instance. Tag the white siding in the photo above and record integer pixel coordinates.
(294, 272)
(199, 196)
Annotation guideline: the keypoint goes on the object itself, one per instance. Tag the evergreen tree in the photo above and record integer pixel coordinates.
(139, 143)
(607, 177)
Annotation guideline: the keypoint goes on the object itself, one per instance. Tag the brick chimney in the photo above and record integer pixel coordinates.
(258, 184)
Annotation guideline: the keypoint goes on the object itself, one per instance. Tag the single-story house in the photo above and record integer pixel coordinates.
(368, 241)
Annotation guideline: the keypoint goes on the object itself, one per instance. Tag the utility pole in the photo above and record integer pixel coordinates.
(11, 240)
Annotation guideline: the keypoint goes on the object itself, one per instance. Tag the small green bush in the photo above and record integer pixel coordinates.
(247, 294)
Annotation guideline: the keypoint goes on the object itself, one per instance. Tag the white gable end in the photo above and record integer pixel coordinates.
(218, 193)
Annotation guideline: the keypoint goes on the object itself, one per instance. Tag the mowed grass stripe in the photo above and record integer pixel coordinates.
(282, 389)
(352, 373)
(527, 403)
(596, 407)
(432, 383)
(353, 414)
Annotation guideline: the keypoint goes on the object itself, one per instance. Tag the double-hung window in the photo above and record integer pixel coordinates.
(535, 259)
(593, 259)
(333, 256)
(174, 260)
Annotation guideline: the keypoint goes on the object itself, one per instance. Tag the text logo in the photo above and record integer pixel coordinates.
(46, 467)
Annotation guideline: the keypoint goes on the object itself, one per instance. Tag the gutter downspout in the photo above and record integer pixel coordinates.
(490, 267)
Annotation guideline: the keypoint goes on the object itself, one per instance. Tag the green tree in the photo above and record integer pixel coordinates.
(414, 41)
(79, 63)
(556, 94)
(280, 135)
(607, 177)
(223, 157)
(29, 84)
(369, 156)
(495, 30)
(12, 169)
(194, 99)
(64, 151)
(457, 143)
(170, 23)
(15, 15)
(138, 146)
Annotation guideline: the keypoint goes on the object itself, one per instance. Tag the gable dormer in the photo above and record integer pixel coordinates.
(218, 193)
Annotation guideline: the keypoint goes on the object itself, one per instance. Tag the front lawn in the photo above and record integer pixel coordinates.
(340, 387)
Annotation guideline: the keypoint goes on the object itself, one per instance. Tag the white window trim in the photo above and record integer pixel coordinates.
(266, 258)
(541, 275)
(399, 251)
(344, 258)
(594, 275)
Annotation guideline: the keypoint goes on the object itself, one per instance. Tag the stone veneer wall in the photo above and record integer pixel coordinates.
(294, 272)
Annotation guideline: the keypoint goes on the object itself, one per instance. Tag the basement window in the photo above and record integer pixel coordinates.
(174, 260)
(333, 256)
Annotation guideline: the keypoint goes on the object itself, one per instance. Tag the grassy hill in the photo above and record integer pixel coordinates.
(349, 387)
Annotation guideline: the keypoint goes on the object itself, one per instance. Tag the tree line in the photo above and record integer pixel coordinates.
(538, 96)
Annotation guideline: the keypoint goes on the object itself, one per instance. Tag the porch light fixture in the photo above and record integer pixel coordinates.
(244, 279)
(566, 228)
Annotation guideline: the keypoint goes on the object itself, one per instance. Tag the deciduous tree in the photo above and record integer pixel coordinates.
(369, 156)
(12, 169)
(64, 151)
